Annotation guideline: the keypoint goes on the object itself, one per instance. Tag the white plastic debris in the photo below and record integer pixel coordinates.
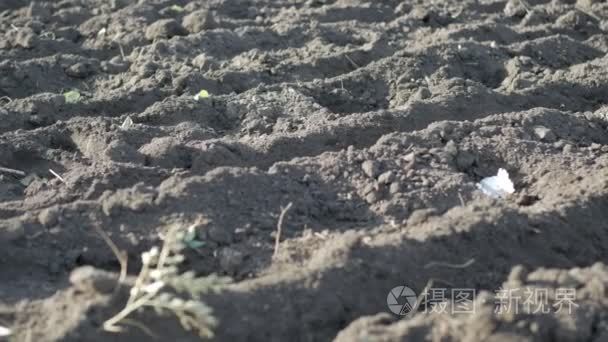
(127, 123)
(498, 186)
(5, 331)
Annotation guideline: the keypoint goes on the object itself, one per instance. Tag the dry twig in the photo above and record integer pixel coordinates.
(12, 171)
(57, 175)
(448, 265)
(280, 228)
(120, 255)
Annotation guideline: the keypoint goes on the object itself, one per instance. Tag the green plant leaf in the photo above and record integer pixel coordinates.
(177, 8)
(190, 239)
(203, 94)
(194, 244)
(72, 96)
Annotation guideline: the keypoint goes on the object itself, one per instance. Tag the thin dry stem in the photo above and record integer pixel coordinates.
(352, 62)
(110, 324)
(448, 265)
(57, 175)
(462, 202)
(280, 228)
(141, 278)
(12, 171)
(120, 255)
(426, 288)
(145, 329)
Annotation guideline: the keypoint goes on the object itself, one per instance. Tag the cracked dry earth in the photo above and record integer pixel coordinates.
(376, 119)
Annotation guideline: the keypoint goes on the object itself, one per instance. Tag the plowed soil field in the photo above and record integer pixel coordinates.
(375, 119)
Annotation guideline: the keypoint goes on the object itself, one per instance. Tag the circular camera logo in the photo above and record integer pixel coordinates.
(401, 300)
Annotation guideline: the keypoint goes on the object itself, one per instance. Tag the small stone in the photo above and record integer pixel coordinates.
(451, 148)
(545, 134)
(514, 8)
(394, 188)
(567, 148)
(48, 217)
(373, 197)
(164, 28)
(386, 177)
(371, 168)
(410, 157)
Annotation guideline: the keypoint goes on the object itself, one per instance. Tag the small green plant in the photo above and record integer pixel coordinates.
(72, 96)
(161, 286)
(190, 238)
(203, 94)
(177, 8)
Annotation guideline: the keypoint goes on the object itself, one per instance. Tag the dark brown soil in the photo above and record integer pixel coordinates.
(376, 119)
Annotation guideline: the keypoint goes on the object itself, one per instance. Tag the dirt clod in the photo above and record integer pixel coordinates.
(163, 29)
(371, 168)
(198, 21)
(88, 278)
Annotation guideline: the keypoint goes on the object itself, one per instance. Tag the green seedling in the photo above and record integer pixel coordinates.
(177, 8)
(190, 239)
(72, 96)
(203, 94)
